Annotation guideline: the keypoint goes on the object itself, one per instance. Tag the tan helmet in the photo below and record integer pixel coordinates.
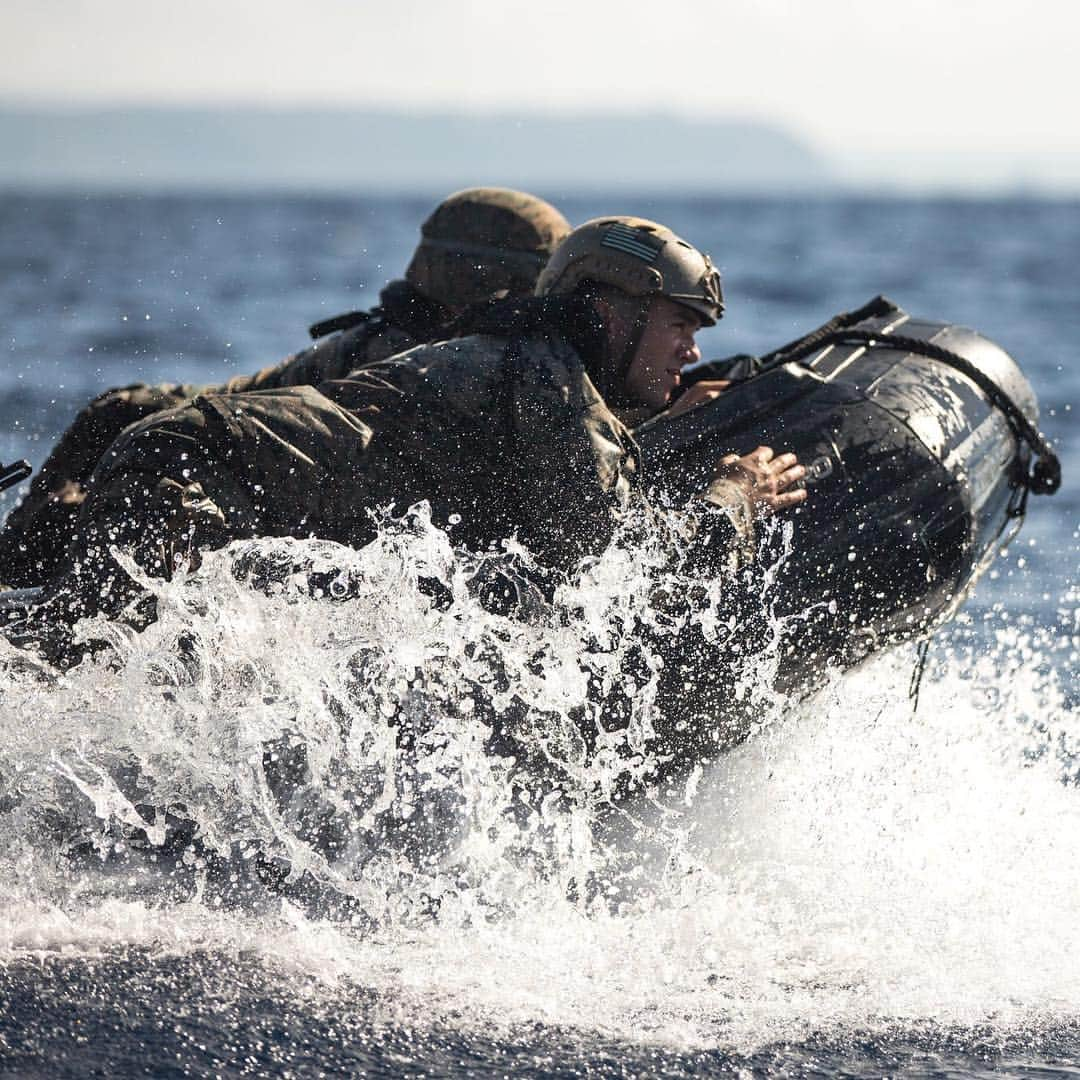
(639, 257)
(484, 240)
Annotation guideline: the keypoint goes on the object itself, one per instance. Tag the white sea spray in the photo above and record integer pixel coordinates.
(454, 824)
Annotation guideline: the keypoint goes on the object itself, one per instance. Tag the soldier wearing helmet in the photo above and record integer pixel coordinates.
(484, 242)
(502, 431)
(653, 291)
(477, 244)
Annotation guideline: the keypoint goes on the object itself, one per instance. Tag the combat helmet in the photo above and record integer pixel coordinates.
(639, 257)
(482, 241)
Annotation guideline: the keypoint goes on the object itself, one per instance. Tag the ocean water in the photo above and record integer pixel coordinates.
(861, 889)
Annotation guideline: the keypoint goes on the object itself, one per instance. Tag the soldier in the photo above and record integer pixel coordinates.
(476, 244)
(503, 431)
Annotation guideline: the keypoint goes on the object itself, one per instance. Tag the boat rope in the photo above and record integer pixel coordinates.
(13, 474)
(921, 652)
(1045, 477)
(880, 307)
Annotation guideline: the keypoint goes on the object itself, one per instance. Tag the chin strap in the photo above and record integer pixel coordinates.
(617, 397)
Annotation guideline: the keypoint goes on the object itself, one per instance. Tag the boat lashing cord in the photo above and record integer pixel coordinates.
(13, 474)
(1045, 476)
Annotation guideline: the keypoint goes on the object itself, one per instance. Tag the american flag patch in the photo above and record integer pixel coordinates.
(632, 241)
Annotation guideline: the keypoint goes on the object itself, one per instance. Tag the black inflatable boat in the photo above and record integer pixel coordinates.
(921, 447)
(920, 441)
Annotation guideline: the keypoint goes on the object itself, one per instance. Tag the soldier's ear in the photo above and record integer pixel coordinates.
(605, 309)
(615, 323)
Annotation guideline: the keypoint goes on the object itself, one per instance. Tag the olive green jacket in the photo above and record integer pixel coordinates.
(498, 441)
(37, 534)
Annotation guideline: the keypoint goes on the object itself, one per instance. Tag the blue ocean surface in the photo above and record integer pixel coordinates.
(860, 890)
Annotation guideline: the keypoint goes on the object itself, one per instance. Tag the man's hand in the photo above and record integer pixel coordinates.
(701, 393)
(768, 480)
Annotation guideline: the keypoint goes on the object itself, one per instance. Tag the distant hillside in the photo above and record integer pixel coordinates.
(346, 150)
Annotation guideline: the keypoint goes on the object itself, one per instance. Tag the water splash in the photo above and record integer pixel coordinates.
(352, 763)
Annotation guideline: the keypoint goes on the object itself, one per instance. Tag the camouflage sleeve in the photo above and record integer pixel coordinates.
(507, 441)
(576, 465)
(712, 514)
(220, 468)
(724, 520)
(37, 534)
(331, 358)
(147, 498)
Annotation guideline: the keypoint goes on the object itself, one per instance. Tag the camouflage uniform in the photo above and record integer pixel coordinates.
(40, 529)
(501, 436)
(477, 243)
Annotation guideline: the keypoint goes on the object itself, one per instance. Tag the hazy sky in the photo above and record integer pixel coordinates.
(975, 75)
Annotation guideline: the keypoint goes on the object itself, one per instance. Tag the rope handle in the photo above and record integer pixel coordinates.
(13, 474)
(347, 321)
(1045, 476)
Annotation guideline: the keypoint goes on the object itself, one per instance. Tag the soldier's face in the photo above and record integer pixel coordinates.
(667, 345)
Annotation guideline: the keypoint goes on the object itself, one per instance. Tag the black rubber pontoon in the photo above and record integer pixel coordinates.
(15, 602)
(920, 443)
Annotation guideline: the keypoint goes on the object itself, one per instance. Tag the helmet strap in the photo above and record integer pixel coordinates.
(608, 369)
(619, 395)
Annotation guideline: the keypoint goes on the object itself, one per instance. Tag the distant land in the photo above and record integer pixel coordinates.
(348, 150)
